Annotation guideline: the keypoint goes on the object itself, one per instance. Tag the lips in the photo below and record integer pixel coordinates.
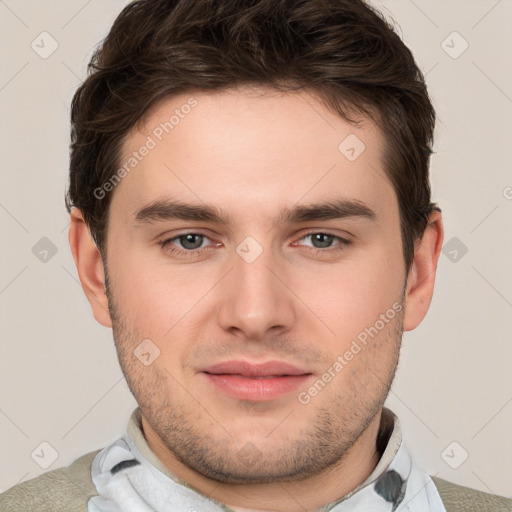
(255, 382)
(246, 369)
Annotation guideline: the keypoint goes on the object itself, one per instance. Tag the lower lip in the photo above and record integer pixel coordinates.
(256, 390)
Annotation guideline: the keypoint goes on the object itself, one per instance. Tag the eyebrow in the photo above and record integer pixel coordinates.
(165, 210)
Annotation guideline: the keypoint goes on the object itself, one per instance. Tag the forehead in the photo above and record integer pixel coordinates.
(245, 147)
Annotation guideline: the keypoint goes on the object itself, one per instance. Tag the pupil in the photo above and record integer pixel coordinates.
(188, 241)
(323, 239)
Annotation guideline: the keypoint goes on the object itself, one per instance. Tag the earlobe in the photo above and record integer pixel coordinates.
(422, 274)
(89, 264)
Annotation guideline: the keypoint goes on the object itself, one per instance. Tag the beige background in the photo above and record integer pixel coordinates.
(59, 376)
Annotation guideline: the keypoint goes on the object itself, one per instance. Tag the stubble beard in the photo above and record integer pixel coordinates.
(202, 443)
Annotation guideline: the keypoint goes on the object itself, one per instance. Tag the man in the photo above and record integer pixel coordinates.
(251, 215)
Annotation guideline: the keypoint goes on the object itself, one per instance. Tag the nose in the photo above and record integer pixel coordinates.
(256, 299)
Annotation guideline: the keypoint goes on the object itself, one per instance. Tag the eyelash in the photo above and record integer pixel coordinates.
(340, 246)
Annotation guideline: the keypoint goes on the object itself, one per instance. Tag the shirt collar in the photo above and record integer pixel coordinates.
(131, 471)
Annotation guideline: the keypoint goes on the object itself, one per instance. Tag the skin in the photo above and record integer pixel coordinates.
(247, 152)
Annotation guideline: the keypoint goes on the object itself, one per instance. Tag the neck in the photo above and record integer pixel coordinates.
(295, 496)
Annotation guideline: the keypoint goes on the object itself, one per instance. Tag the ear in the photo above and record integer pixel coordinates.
(90, 267)
(422, 274)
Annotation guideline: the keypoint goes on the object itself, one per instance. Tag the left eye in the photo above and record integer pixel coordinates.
(320, 240)
(190, 241)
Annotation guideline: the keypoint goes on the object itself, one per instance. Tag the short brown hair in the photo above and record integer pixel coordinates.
(342, 50)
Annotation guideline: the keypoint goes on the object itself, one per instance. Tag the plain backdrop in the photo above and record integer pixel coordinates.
(60, 382)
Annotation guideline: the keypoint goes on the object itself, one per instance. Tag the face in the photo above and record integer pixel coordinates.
(255, 281)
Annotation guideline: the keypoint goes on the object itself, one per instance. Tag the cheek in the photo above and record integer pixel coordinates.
(158, 298)
(352, 296)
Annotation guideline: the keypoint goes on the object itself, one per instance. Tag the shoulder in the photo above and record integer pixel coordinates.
(457, 498)
(66, 489)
